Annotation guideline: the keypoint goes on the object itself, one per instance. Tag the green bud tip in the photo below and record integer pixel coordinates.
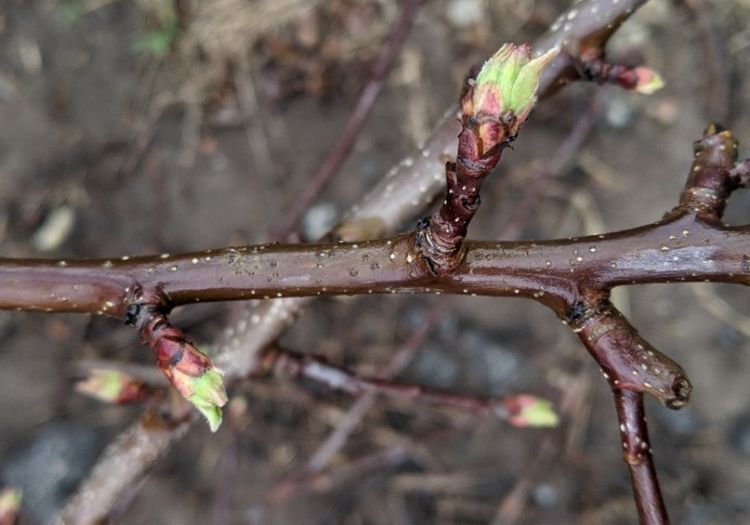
(208, 396)
(194, 376)
(104, 385)
(649, 81)
(10, 501)
(534, 412)
(508, 81)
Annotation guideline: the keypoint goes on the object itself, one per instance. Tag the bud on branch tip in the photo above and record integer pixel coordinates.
(500, 99)
(111, 386)
(532, 411)
(208, 396)
(649, 81)
(508, 81)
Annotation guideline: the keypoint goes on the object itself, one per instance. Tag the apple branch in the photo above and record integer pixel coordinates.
(406, 190)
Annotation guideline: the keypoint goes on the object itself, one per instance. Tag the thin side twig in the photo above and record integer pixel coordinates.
(638, 456)
(508, 408)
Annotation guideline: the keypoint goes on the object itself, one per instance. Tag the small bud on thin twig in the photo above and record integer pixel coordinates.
(112, 386)
(531, 411)
(648, 81)
(640, 79)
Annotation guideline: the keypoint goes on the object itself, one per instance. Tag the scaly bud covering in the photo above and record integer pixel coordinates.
(112, 386)
(10, 505)
(189, 370)
(531, 411)
(506, 85)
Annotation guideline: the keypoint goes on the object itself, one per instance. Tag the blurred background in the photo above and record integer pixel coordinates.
(134, 127)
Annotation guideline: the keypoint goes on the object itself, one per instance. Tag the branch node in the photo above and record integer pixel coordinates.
(711, 179)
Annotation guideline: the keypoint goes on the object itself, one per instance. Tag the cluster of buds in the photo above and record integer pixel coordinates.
(503, 94)
(189, 370)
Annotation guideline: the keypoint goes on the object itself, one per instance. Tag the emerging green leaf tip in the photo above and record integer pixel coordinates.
(508, 81)
(649, 81)
(534, 412)
(209, 396)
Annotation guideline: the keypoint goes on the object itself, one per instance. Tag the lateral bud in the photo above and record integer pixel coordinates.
(112, 386)
(648, 81)
(189, 370)
(531, 411)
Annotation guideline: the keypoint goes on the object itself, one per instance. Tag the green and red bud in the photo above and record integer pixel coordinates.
(113, 386)
(189, 370)
(531, 411)
(505, 91)
(639, 79)
(10, 505)
(206, 392)
(648, 81)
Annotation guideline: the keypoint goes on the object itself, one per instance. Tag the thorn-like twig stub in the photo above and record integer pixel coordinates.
(628, 361)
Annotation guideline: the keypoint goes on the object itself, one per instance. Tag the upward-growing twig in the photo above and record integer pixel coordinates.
(494, 108)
